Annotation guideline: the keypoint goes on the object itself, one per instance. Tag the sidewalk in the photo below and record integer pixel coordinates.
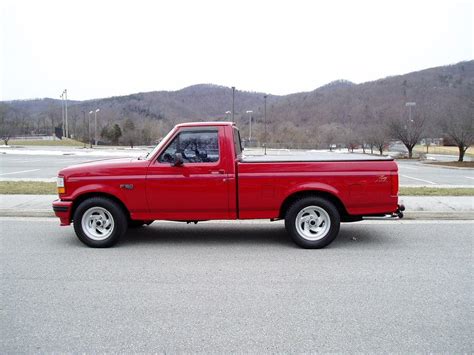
(417, 207)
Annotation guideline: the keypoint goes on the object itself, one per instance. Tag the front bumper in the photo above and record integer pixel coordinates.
(62, 210)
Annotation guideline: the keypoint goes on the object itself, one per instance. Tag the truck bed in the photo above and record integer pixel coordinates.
(312, 156)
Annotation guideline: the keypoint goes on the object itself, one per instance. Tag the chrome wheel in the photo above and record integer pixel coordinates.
(97, 223)
(313, 223)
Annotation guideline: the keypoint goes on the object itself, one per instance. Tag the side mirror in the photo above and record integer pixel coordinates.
(178, 159)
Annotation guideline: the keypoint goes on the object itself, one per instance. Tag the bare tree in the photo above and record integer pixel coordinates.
(8, 126)
(331, 134)
(458, 124)
(407, 130)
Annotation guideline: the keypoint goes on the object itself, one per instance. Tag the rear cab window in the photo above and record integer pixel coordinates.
(237, 142)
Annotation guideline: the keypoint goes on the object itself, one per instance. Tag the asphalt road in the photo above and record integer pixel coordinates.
(47, 167)
(237, 287)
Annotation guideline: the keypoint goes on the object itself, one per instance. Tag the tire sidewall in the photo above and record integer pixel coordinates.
(297, 206)
(120, 221)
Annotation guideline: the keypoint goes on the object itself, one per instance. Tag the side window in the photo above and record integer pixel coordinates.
(195, 147)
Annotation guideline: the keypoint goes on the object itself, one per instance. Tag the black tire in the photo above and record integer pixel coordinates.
(116, 217)
(317, 235)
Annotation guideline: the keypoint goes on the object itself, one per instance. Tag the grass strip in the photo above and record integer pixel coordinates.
(27, 188)
(40, 142)
(436, 191)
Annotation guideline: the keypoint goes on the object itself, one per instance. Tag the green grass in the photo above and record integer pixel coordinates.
(40, 142)
(27, 188)
(49, 188)
(436, 191)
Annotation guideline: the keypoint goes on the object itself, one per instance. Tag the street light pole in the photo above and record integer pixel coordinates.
(84, 127)
(233, 100)
(409, 105)
(265, 123)
(65, 112)
(95, 128)
(62, 115)
(89, 129)
(250, 124)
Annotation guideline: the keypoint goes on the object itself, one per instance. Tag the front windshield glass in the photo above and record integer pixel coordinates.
(158, 147)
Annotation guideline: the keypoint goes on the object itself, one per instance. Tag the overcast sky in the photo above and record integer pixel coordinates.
(107, 48)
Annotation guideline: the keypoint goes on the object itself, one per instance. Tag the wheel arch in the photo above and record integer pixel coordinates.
(80, 198)
(290, 199)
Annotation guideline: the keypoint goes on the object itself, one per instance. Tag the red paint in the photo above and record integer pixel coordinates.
(228, 188)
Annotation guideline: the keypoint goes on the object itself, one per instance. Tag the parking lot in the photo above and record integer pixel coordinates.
(45, 167)
(237, 287)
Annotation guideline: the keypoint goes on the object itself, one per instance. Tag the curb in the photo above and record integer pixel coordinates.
(408, 215)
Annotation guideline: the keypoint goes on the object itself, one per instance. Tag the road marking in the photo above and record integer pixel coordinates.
(409, 177)
(468, 177)
(407, 167)
(19, 172)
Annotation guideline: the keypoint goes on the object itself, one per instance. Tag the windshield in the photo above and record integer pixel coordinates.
(158, 147)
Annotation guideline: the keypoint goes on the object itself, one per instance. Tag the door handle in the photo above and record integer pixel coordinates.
(217, 172)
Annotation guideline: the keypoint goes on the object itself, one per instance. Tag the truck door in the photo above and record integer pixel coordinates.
(196, 189)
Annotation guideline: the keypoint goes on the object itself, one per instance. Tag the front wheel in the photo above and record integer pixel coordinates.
(99, 222)
(312, 222)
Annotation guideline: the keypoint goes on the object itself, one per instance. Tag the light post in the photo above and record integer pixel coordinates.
(265, 123)
(250, 124)
(62, 115)
(89, 129)
(233, 99)
(410, 105)
(410, 120)
(84, 127)
(95, 127)
(65, 112)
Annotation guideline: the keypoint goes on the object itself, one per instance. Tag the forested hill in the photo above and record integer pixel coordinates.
(300, 117)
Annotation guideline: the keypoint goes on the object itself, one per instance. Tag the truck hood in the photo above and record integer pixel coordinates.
(103, 167)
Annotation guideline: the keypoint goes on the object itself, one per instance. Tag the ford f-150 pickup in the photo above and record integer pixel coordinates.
(198, 172)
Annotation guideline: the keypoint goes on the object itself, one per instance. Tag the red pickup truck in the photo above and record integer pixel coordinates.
(198, 172)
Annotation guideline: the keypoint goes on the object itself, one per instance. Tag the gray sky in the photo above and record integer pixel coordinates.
(106, 48)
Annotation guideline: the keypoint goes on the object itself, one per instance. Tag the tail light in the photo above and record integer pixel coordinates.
(394, 180)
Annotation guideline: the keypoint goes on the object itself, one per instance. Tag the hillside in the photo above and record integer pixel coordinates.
(300, 117)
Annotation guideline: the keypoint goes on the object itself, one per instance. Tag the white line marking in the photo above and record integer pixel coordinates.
(409, 177)
(19, 172)
(407, 167)
(468, 177)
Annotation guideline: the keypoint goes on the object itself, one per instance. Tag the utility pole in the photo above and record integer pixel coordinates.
(89, 129)
(410, 120)
(62, 115)
(233, 100)
(250, 124)
(65, 112)
(265, 123)
(95, 129)
(84, 127)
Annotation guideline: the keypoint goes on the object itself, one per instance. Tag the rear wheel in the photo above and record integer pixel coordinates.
(312, 222)
(99, 222)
